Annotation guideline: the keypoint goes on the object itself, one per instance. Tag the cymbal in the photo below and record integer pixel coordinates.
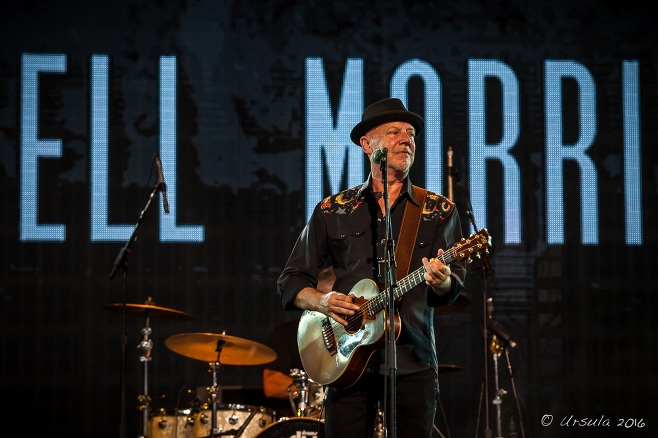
(461, 302)
(234, 351)
(153, 311)
(449, 368)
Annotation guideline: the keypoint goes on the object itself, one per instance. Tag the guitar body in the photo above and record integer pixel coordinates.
(335, 355)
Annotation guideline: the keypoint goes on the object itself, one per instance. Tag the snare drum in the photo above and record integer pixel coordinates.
(294, 427)
(239, 421)
(170, 424)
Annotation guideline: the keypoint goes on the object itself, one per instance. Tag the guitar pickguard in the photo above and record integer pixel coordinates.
(348, 343)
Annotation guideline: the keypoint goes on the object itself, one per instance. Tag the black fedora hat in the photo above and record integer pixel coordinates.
(385, 111)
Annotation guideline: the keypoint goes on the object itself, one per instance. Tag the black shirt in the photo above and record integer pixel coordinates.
(347, 229)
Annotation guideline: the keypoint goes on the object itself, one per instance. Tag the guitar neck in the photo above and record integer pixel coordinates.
(380, 302)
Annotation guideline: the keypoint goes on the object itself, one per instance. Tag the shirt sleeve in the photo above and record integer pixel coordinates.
(307, 257)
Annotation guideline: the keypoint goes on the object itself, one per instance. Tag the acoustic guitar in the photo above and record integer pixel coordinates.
(335, 355)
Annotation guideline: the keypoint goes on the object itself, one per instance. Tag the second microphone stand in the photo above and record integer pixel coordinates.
(486, 270)
(121, 263)
(500, 339)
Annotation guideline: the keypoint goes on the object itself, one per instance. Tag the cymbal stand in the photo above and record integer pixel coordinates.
(496, 349)
(145, 347)
(214, 390)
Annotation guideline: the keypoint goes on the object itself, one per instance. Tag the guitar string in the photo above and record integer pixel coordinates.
(368, 304)
(403, 284)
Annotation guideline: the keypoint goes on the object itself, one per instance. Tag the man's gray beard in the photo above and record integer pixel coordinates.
(406, 169)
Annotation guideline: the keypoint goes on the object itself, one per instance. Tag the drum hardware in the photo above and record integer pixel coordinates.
(148, 310)
(217, 350)
(306, 396)
(380, 423)
(145, 347)
(300, 381)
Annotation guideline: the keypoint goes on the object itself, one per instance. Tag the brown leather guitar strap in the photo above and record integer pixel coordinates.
(408, 232)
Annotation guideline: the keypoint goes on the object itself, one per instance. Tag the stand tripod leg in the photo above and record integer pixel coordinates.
(516, 396)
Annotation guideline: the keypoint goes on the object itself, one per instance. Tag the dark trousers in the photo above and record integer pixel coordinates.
(351, 412)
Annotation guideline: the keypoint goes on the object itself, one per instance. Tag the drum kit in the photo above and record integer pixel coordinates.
(213, 418)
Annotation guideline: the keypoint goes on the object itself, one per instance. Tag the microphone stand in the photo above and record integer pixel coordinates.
(500, 342)
(390, 285)
(487, 271)
(121, 262)
(496, 350)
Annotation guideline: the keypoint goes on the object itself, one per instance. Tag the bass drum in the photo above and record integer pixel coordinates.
(294, 427)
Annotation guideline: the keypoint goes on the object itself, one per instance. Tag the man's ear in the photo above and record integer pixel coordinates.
(365, 145)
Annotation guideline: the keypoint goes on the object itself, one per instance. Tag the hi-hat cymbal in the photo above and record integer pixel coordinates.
(461, 302)
(234, 351)
(151, 310)
(449, 368)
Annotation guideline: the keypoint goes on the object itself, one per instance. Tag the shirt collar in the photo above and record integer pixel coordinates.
(407, 189)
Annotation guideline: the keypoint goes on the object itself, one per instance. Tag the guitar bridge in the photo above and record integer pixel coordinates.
(328, 336)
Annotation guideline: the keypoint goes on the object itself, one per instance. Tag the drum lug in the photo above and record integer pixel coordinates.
(162, 424)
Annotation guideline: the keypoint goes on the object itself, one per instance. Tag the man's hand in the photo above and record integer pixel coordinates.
(437, 275)
(333, 304)
(337, 305)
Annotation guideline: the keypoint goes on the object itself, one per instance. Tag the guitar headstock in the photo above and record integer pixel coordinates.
(475, 244)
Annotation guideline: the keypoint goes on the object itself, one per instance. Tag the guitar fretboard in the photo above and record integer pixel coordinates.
(380, 302)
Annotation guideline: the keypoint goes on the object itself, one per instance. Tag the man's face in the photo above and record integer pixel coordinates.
(399, 138)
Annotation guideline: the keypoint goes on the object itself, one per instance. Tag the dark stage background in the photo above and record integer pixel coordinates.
(231, 95)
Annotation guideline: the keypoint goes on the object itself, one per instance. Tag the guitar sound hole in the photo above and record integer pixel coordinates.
(355, 322)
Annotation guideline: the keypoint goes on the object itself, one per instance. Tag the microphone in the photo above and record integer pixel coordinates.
(499, 331)
(450, 173)
(161, 184)
(379, 155)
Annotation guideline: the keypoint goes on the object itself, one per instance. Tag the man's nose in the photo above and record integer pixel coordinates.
(406, 138)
